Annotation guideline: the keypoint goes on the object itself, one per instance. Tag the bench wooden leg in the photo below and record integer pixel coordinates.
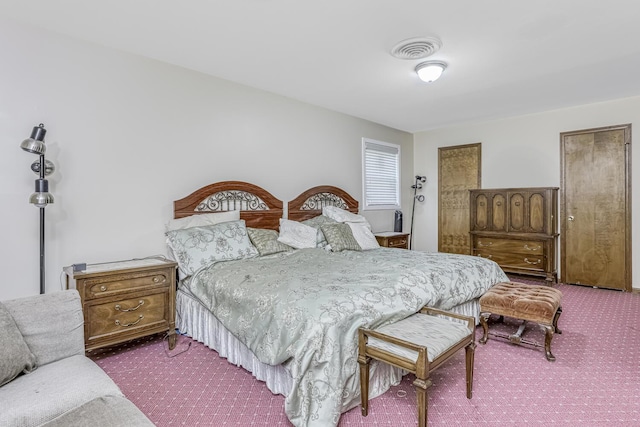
(421, 393)
(548, 336)
(485, 327)
(364, 384)
(470, 354)
(555, 320)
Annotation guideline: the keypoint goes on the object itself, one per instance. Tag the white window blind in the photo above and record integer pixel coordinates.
(381, 174)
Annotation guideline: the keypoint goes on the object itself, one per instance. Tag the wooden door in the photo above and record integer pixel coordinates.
(595, 207)
(458, 172)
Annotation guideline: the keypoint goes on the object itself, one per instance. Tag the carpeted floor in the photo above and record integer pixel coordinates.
(595, 380)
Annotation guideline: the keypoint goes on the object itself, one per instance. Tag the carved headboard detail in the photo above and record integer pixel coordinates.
(258, 207)
(310, 203)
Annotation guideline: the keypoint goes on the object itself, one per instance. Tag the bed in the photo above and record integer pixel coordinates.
(291, 317)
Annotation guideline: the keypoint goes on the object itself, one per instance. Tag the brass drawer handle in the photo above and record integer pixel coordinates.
(482, 245)
(156, 279)
(103, 288)
(118, 307)
(488, 256)
(532, 249)
(126, 325)
(538, 261)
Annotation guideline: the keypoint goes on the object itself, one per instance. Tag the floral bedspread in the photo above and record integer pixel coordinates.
(303, 309)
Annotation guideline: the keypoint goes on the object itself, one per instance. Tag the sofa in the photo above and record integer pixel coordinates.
(45, 377)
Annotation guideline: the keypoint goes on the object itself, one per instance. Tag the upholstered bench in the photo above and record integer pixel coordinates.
(419, 344)
(529, 303)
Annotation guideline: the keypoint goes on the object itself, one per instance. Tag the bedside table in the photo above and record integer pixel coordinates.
(392, 239)
(126, 300)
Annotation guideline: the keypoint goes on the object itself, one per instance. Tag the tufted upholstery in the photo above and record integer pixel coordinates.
(527, 302)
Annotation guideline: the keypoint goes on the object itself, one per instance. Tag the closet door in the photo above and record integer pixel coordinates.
(595, 207)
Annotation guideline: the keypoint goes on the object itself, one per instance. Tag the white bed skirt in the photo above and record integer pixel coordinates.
(196, 321)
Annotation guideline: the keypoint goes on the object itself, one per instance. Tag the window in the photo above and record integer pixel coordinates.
(380, 174)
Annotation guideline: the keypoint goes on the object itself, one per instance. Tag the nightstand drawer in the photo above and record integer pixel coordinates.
(393, 240)
(109, 285)
(126, 316)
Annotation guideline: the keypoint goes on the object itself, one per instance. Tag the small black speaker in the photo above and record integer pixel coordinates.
(397, 222)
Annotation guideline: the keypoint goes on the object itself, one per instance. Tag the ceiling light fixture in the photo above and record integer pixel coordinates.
(430, 71)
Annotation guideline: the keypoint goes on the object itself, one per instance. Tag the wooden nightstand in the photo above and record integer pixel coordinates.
(126, 300)
(392, 239)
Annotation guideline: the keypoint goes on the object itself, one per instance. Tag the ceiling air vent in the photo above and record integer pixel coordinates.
(416, 48)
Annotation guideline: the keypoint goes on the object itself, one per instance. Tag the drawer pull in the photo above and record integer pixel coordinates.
(532, 249)
(118, 307)
(156, 279)
(126, 325)
(538, 261)
(488, 256)
(482, 245)
(103, 288)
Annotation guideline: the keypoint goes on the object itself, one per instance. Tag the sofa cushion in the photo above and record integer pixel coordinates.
(52, 390)
(105, 411)
(52, 324)
(15, 356)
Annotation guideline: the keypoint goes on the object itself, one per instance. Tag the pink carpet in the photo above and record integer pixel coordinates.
(595, 380)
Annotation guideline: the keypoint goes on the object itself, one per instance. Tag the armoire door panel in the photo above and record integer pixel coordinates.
(536, 213)
(499, 213)
(517, 212)
(482, 212)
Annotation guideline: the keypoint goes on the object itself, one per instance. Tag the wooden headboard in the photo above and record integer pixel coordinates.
(310, 203)
(258, 207)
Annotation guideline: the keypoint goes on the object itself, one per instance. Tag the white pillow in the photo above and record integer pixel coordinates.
(363, 235)
(296, 234)
(202, 220)
(342, 215)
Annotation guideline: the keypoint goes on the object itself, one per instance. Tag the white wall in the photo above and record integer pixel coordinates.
(129, 135)
(520, 152)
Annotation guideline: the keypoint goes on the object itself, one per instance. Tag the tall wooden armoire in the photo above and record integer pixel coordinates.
(517, 228)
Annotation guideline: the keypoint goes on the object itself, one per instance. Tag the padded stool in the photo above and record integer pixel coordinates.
(419, 344)
(529, 303)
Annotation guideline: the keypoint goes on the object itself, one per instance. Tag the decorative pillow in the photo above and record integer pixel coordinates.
(15, 356)
(340, 237)
(266, 241)
(316, 222)
(342, 215)
(198, 247)
(363, 235)
(202, 220)
(297, 234)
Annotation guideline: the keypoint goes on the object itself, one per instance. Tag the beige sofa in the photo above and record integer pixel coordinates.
(56, 384)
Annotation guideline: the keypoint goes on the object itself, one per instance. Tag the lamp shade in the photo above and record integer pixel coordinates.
(430, 71)
(41, 198)
(35, 144)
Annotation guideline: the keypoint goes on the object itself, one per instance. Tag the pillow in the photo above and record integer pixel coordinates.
(202, 220)
(363, 235)
(342, 215)
(266, 241)
(316, 222)
(198, 247)
(297, 234)
(340, 237)
(15, 355)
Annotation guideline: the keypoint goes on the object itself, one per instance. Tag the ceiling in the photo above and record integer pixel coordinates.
(505, 58)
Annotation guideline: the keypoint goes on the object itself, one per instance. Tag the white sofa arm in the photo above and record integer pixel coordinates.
(51, 324)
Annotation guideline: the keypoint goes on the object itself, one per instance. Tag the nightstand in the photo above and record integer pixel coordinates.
(392, 239)
(126, 300)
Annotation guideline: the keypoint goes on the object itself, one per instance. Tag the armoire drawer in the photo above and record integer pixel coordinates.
(533, 247)
(514, 261)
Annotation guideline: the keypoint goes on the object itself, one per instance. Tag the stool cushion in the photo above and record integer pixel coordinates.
(435, 333)
(527, 302)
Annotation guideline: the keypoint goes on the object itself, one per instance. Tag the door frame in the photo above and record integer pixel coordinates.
(563, 208)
